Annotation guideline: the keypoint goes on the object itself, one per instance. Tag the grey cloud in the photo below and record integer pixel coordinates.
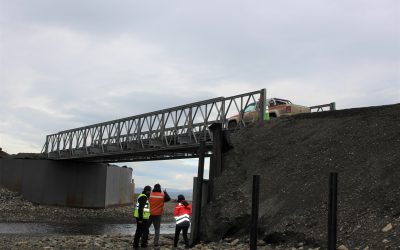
(73, 63)
(259, 42)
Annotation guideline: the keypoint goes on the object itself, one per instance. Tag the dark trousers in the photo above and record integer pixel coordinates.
(156, 221)
(142, 231)
(184, 227)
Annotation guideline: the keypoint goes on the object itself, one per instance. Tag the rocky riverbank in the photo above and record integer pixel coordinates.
(13, 208)
(121, 242)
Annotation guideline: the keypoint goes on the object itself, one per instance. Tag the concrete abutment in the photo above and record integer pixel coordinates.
(68, 183)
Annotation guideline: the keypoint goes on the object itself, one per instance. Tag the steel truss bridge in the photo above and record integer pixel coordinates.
(173, 133)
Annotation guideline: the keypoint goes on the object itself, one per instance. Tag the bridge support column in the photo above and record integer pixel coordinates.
(198, 196)
(210, 179)
(216, 159)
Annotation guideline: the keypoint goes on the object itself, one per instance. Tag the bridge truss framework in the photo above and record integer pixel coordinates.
(173, 133)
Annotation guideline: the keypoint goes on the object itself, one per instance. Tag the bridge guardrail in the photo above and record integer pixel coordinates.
(320, 108)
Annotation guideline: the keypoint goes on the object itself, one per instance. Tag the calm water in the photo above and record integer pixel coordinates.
(77, 229)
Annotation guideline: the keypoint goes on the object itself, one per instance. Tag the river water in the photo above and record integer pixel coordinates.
(77, 229)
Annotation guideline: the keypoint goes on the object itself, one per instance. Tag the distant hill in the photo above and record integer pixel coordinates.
(2, 153)
(173, 192)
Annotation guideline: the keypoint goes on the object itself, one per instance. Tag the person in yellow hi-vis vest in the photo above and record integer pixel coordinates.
(142, 215)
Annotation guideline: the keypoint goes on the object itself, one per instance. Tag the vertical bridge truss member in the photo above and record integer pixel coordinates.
(172, 133)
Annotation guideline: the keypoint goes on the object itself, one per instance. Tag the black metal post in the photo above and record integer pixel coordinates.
(211, 180)
(254, 212)
(199, 195)
(332, 212)
(200, 177)
(262, 105)
(216, 164)
(216, 129)
(332, 106)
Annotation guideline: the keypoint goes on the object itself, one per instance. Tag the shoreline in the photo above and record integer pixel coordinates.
(14, 209)
(51, 242)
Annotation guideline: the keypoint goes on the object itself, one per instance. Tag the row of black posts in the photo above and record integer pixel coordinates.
(215, 171)
(332, 203)
(332, 211)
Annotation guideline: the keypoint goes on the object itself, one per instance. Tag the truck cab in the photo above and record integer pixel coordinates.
(276, 107)
(280, 107)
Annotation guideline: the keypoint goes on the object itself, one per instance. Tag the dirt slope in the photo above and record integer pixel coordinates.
(294, 157)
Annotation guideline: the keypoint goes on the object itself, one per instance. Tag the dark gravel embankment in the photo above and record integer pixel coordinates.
(294, 156)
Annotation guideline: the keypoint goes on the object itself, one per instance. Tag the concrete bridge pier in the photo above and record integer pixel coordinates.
(68, 183)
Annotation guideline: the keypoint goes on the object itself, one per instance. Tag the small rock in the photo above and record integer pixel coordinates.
(300, 244)
(342, 247)
(387, 228)
(233, 243)
(21, 243)
(366, 248)
(261, 243)
(385, 241)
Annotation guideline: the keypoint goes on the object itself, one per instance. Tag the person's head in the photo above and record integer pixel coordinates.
(146, 190)
(157, 188)
(181, 198)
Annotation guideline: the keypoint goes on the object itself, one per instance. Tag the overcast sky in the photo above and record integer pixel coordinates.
(67, 63)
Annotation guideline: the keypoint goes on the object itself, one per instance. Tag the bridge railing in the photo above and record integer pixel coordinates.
(323, 107)
(167, 128)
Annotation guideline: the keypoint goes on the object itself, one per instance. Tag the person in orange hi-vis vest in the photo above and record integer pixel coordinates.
(157, 199)
(182, 213)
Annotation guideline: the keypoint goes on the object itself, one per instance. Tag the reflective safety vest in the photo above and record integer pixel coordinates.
(156, 203)
(182, 213)
(182, 218)
(146, 209)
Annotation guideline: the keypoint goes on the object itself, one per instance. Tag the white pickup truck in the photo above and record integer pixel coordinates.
(276, 107)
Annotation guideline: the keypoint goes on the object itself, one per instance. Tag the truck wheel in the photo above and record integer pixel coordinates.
(232, 125)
